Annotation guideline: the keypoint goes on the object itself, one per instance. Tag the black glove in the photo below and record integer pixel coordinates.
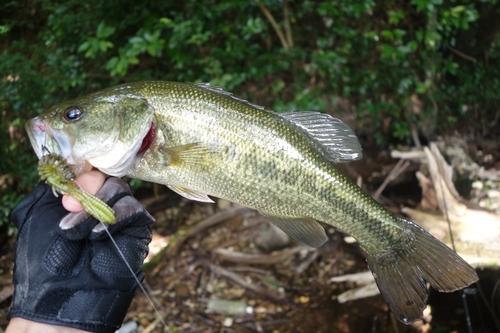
(67, 270)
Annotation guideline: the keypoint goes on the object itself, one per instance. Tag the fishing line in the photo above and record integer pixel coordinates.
(135, 277)
(46, 149)
(462, 293)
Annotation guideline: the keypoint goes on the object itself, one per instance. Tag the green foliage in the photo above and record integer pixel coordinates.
(96, 44)
(432, 62)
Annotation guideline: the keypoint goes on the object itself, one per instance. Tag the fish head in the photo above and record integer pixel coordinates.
(104, 130)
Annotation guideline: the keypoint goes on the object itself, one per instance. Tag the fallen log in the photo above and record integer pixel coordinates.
(475, 233)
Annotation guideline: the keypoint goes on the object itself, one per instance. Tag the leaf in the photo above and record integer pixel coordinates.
(104, 31)
(387, 34)
(457, 10)
(111, 64)
(104, 45)
(89, 53)
(395, 16)
(151, 48)
(166, 21)
(84, 46)
(136, 40)
(132, 61)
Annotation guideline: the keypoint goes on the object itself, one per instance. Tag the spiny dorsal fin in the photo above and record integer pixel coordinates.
(305, 230)
(220, 90)
(336, 140)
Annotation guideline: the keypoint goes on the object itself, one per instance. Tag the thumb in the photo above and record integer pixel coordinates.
(91, 182)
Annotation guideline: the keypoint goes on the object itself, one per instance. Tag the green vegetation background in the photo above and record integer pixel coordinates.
(391, 67)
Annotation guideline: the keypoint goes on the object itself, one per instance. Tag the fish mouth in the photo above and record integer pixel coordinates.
(115, 161)
(46, 140)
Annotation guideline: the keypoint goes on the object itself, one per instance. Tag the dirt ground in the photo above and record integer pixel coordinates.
(222, 253)
(295, 294)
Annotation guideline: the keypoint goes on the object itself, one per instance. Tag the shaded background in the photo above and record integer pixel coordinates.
(396, 71)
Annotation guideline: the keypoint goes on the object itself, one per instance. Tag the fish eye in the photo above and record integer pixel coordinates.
(72, 113)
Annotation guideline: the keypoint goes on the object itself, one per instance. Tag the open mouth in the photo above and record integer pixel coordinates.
(40, 140)
(44, 140)
(113, 157)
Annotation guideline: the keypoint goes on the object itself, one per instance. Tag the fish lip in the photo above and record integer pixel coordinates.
(36, 129)
(45, 140)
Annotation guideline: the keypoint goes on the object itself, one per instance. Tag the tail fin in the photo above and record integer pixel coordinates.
(403, 271)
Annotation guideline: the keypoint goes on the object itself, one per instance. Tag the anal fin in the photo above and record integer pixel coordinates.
(190, 194)
(306, 230)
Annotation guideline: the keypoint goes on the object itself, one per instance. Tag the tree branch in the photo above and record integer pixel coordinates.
(276, 28)
(288, 29)
(463, 55)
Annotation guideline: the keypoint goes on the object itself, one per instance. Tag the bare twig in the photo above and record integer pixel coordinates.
(276, 28)
(242, 282)
(434, 103)
(363, 277)
(248, 269)
(328, 247)
(304, 264)
(418, 155)
(359, 293)
(152, 326)
(180, 274)
(266, 259)
(445, 170)
(359, 181)
(288, 29)
(463, 55)
(182, 235)
(396, 171)
(414, 135)
(205, 320)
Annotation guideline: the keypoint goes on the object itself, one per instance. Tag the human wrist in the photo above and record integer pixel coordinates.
(73, 276)
(21, 325)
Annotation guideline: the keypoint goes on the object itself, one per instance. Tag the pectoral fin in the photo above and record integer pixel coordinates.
(191, 153)
(190, 194)
(305, 230)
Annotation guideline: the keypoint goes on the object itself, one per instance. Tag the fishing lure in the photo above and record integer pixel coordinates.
(56, 171)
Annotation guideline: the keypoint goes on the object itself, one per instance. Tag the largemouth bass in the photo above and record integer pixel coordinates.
(201, 141)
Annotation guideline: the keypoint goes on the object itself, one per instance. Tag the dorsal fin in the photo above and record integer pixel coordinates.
(336, 140)
(220, 90)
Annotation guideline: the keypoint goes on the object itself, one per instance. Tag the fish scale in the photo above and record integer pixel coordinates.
(207, 142)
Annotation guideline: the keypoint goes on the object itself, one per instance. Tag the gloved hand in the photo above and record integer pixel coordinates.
(67, 270)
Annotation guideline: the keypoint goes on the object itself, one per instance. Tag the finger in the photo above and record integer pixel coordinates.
(79, 224)
(126, 208)
(91, 182)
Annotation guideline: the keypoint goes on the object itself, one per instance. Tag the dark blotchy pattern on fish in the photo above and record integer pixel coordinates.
(206, 142)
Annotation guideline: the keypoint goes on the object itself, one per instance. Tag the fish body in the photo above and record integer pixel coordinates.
(201, 141)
